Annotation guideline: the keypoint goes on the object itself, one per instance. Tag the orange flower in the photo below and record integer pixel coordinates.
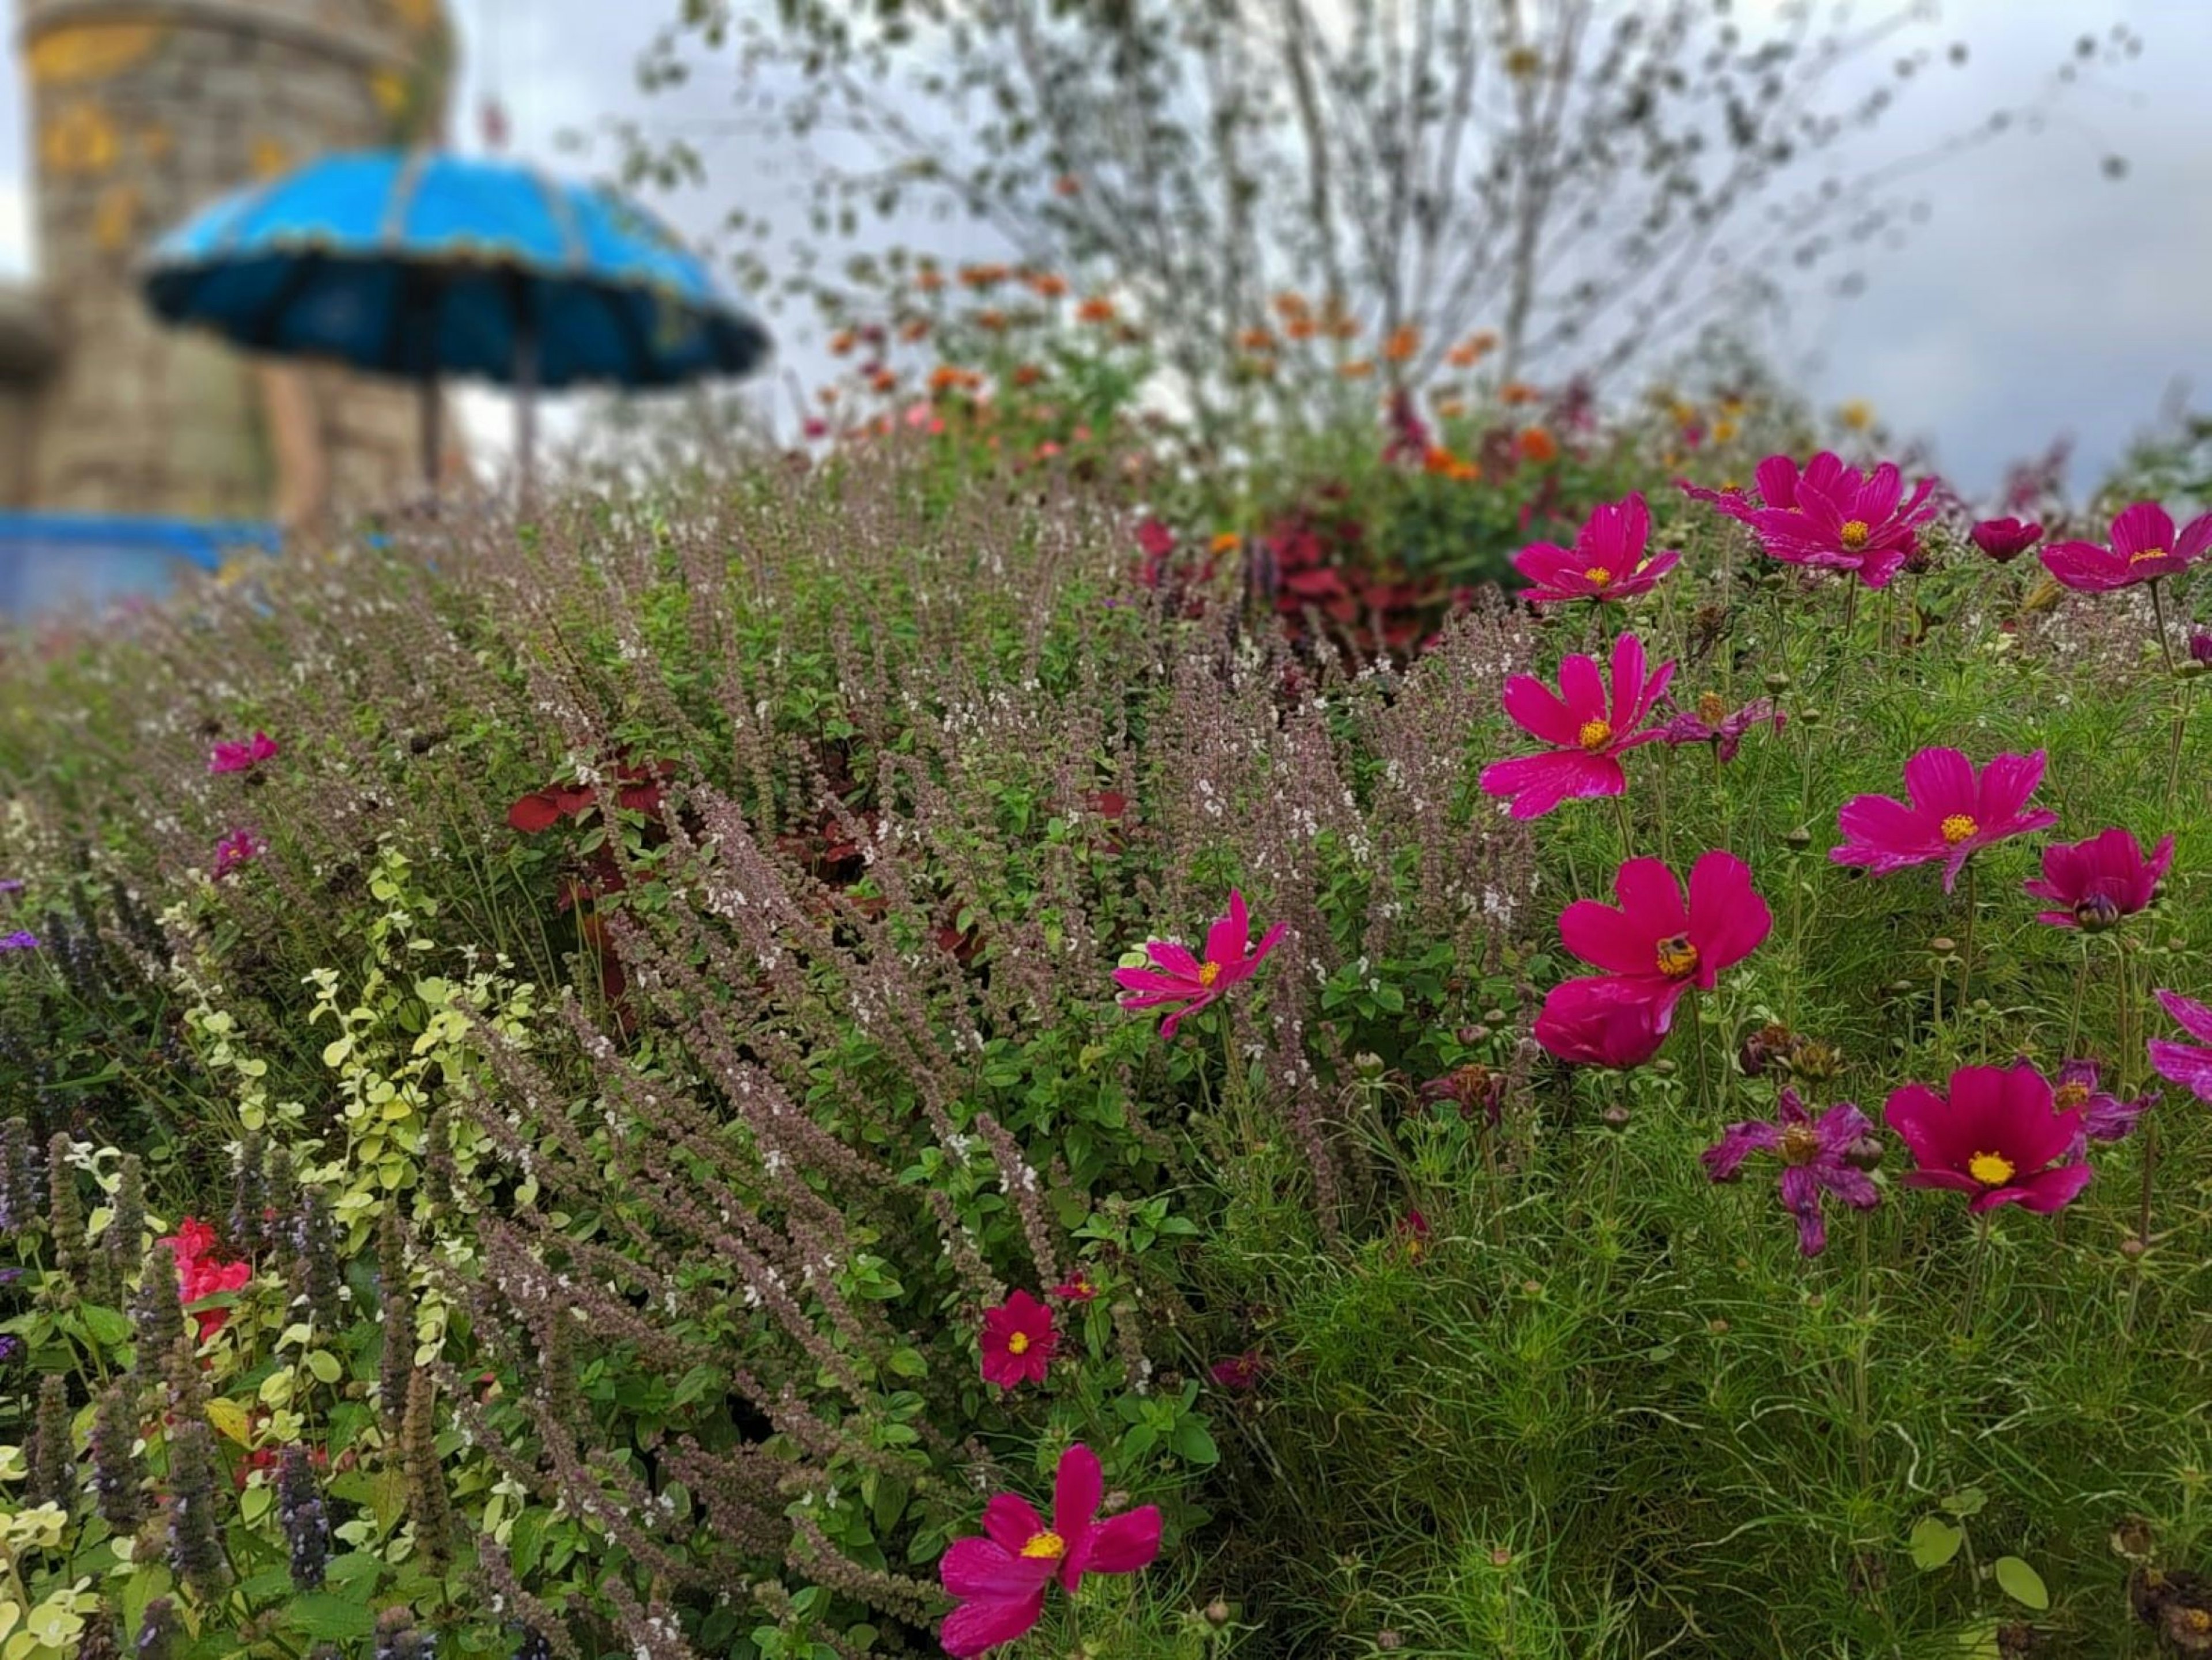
(1226, 541)
(1027, 375)
(1483, 341)
(1290, 305)
(1046, 285)
(884, 379)
(1302, 328)
(946, 378)
(1096, 309)
(1067, 185)
(1517, 391)
(994, 321)
(1358, 369)
(1437, 459)
(1342, 328)
(929, 279)
(914, 328)
(1403, 342)
(982, 276)
(826, 395)
(841, 342)
(1722, 431)
(1464, 473)
(1256, 340)
(1537, 444)
(1450, 409)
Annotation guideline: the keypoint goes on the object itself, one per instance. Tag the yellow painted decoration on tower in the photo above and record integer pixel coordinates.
(389, 89)
(115, 218)
(90, 51)
(270, 157)
(80, 139)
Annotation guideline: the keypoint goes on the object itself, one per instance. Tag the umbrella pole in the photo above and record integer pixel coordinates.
(433, 410)
(526, 402)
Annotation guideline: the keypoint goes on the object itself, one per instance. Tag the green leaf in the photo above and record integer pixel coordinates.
(2021, 1582)
(1967, 1501)
(1935, 1541)
(109, 1329)
(325, 1365)
(1194, 1445)
(327, 1618)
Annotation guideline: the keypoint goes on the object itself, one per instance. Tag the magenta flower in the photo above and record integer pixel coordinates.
(1600, 1022)
(1591, 731)
(1000, 1579)
(1712, 722)
(1239, 1373)
(236, 850)
(1995, 1137)
(2144, 548)
(2093, 884)
(1607, 562)
(1178, 976)
(242, 757)
(1952, 816)
(2104, 1116)
(1831, 516)
(1019, 1341)
(1815, 1154)
(2189, 1065)
(2005, 539)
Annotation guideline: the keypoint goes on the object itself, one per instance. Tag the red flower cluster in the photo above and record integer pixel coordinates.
(201, 1274)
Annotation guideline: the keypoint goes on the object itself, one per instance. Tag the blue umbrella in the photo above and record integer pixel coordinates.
(423, 263)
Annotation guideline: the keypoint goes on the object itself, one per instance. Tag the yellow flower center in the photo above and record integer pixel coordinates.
(1208, 973)
(1045, 1547)
(1597, 576)
(1855, 534)
(1801, 1144)
(1712, 707)
(1018, 1343)
(2142, 554)
(1958, 827)
(1678, 958)
(2067, 1097)
(1595, 735)
(1991, 1169)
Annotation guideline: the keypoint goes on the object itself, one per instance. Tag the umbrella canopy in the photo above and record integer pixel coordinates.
(419, 262)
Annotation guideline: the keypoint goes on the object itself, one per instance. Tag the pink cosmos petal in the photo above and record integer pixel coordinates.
(1226, 941)
(985, 1568)
(2193, 1017)
(1175, 956)
(1627, 681)
(2196, 536)
(1128, 1543)
(1536, 709)
(1737, 1143)
(1582, 687)
(1949, 1180)
(973, 1627)
(1606, 1021)
(1204, 1000)
(1010, 1520)
(1918, 1116)
(1778, 481)
(1729, 920)
(1077, 1489)
(2084, 567)
(2146, 527)
(1615, 533)
(1941, 781)
(1152, 986)
(2006, 784)
(1604, 939)
(1538, 783)
(1267, 942)
(2183, 1064)
(1801, 1197)
(2043, 1192)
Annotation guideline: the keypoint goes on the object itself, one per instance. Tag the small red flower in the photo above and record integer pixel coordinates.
(201, 1274)
(1078, 1289)
(1019, 1341)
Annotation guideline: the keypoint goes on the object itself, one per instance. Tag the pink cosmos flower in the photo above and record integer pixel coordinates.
(2095, 882)
(1831, 516)
(2144, 548)
(239, 848)
(1607, 562)
(1953, 813)
(1816, 1156)
(1019, 1341)
(242, 757)
(2189, 1065)
(1997, 1137)
(1710, 720)
(1591, 733)
(1178, 976)
(1600, 1022)
(1000, 1579)
(1078, 1289)
(2005, 539)
(201, 1274)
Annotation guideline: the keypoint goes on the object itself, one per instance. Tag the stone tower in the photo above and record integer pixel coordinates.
(141, 112)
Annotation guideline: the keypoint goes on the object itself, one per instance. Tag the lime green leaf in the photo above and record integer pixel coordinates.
(1935, 1541)
(2021, 1582)
(327, 1618)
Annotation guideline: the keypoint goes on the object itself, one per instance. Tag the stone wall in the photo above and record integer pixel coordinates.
(142, 111)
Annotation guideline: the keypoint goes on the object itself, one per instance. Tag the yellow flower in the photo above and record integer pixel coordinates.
(1857, 415)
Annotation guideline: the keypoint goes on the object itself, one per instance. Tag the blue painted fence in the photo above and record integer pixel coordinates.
(52, 560)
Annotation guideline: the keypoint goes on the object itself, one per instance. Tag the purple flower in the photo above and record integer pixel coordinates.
(1239, 1373)
(11, 885)
(21, 939)
(2104, 1116)
(1816, 1156)
(10, 1347)
(2189, 1065)
(1709, 722)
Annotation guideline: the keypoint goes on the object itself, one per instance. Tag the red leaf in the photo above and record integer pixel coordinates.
(535, 812)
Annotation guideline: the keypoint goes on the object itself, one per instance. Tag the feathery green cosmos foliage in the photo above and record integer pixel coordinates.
(653, 1143)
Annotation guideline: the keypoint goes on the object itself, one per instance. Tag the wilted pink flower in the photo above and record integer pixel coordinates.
(1816, 1158)
(1953, 813)
(2144, 548)
(1078, 1289)
(2189, 1065)
(242, 757)
(1831, 516)
(1178, 976)
(1995, 1137)
(1712, 722)
(1019, 1341)
(2093, 884)
(1000, 1579)
(239, 848)
(2005, 539)
(1607, 562)
(2104, 1116)
(1600, 1021)
(1239, 1373)
(1592, 731)
(2200, 647)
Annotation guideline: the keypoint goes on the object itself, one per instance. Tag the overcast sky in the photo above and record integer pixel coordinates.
(2043, 297)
